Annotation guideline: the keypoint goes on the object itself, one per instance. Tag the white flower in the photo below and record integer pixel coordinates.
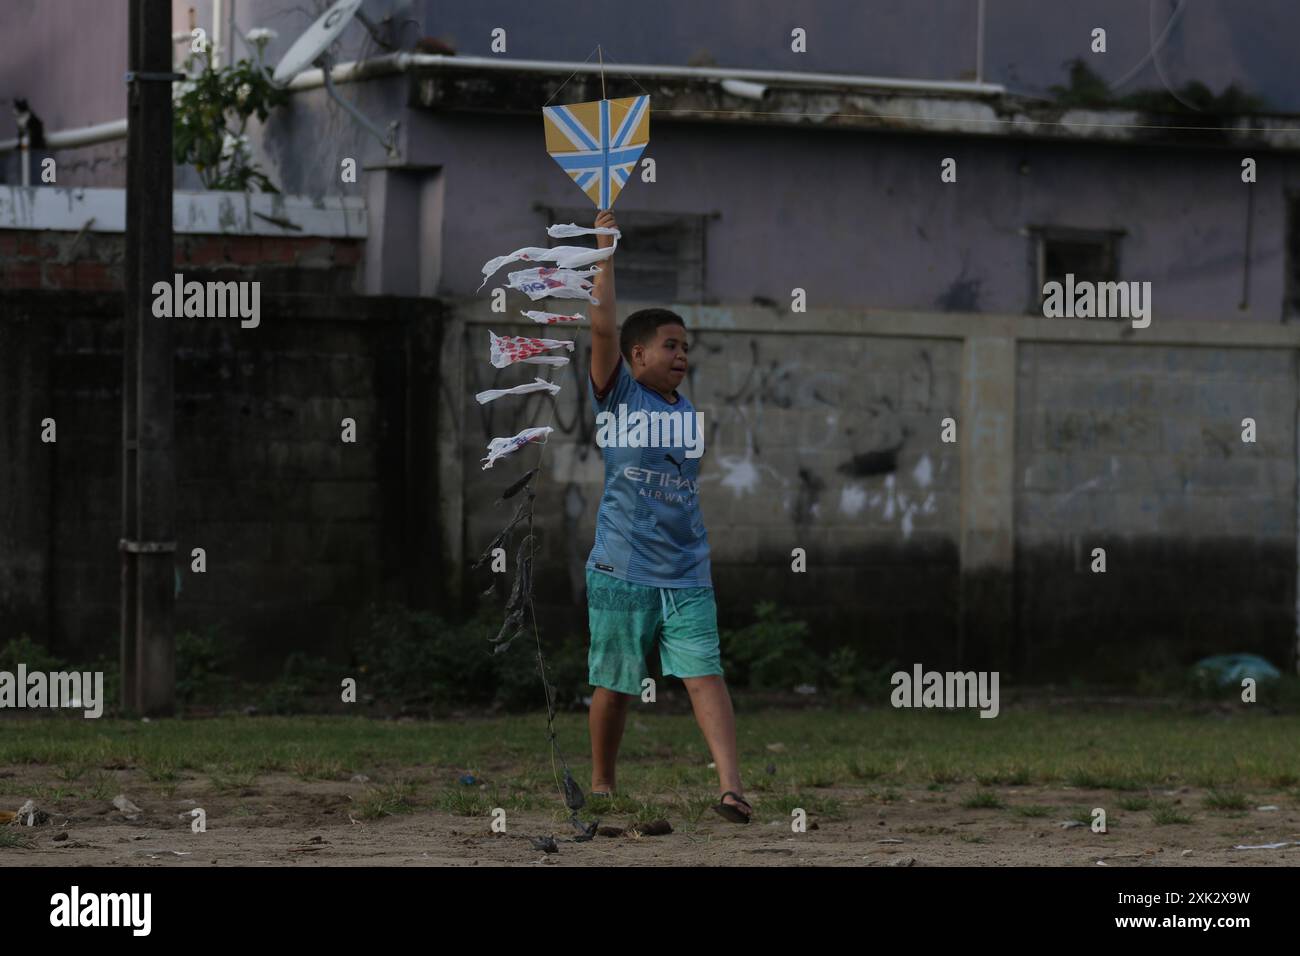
(234, 146)
(243, 93)
(261, 35)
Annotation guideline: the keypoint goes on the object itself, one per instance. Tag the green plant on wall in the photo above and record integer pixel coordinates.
(212, 110)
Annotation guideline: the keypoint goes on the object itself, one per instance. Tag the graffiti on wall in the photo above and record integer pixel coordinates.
(803, 430)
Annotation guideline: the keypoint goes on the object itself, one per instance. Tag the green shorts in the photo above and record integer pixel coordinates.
(627, 619)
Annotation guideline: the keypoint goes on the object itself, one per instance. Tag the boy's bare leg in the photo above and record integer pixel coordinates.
(717, 720)
(606, 720)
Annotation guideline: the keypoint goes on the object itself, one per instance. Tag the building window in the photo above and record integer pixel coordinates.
(661, 256)
(1088, 254)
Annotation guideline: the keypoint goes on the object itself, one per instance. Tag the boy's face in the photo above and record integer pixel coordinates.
(661, 364)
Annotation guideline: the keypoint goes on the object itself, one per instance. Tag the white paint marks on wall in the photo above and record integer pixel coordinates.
(741, 474)
(853, 498)
(923, 472)
(1095, 482)
(892, 503)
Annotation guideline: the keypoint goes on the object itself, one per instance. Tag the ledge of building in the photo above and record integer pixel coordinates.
(64, 209)
(692, 100)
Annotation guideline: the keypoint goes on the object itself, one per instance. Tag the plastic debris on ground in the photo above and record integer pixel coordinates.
(1229, 670)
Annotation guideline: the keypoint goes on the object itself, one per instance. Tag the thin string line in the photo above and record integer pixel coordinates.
(571, 76)
(613, 59)
(532, 613)
(958, 119)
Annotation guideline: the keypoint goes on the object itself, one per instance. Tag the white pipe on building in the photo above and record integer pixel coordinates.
(82, 136)
(402, 62)
(216, 34)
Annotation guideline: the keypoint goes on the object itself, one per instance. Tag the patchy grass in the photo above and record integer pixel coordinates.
(1081, 815)
(1134, 804)
(983, 800)
(1124, 750)
(1168, 814)
(12, 838)
(385, 801)
(231, 780)
(1217, 800)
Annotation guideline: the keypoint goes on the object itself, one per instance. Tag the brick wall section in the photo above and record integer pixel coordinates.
(301, 531)
(92, 262)
(1138, 450)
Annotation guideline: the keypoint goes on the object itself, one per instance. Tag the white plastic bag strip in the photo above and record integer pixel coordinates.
(500, 447)
(553, 318)
(508, 349)
(573, 229)
(564, 257)
(546, 282)
(536, 385)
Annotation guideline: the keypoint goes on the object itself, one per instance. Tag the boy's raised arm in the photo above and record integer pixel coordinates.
(604, 323)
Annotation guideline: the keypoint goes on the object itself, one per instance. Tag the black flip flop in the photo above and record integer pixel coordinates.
(731, 812)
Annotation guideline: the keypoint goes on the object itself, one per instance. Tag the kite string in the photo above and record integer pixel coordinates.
(571, 76)
(621, 73)
(532, 613)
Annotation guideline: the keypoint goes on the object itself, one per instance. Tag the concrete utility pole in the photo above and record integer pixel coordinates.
(148, 542)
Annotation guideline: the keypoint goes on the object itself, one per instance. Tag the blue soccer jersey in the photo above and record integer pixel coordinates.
(649, 529)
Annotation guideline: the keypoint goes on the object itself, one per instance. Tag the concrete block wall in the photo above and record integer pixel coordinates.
(823, 432)
(1070, 436)
(301, 531)
(1138, 450)
(830, 443)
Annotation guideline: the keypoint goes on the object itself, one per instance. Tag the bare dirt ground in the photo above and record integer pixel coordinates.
(284, 821)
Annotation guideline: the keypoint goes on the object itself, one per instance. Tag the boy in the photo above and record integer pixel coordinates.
(648, 576)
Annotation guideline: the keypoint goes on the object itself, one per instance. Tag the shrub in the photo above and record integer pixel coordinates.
(23, 650)
(418, 657)
(769, 654)
(203, 663)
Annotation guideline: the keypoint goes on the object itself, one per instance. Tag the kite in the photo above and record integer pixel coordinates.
(543, 282)
(499, 447)
(509, 349)
(536, 385)
(598, 143)
(552, 318)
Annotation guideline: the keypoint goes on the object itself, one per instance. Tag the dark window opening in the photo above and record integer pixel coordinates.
(661, 256)
(1089, 255)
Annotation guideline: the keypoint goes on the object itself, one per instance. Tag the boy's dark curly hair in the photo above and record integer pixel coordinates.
(641, 327)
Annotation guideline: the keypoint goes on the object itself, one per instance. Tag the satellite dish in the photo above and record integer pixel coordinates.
(316, 40)
(310, 49)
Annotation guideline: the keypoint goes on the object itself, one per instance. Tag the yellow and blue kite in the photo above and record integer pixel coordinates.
(598, 143)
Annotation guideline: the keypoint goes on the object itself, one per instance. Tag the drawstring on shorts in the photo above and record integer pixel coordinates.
(663, 604)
